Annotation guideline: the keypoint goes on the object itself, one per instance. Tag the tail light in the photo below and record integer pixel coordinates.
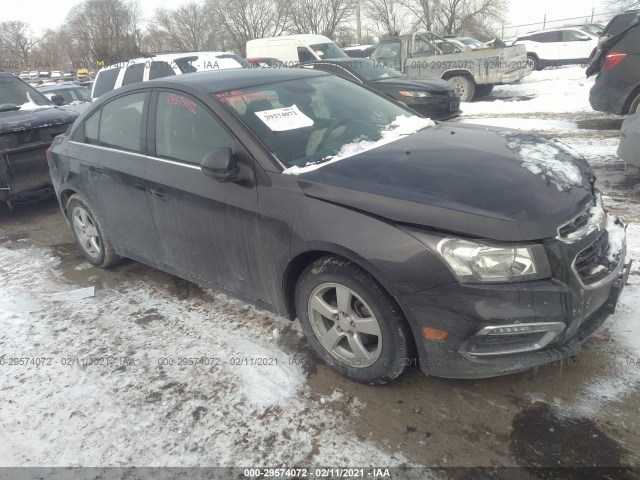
(612, 60)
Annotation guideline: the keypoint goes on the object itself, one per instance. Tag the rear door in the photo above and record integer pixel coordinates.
(547, 45)
(113, 163)
(574, 46)
(209, 229)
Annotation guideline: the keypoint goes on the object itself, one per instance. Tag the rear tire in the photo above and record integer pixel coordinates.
(534, 62)
(465, 87)
(351, 322)
(89, 233)
(484, 90)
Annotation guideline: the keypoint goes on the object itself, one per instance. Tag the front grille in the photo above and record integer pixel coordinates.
(576, 224)
(438, 110)
(592, 264)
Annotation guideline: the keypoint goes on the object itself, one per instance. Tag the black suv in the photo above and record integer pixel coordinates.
(28, 124)
(617, 63)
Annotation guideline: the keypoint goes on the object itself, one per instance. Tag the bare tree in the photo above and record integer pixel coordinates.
(320, 16)
(187, 28)
(388, 16)
(424, 12)
(243, 20)
(51, 50)
(457, 15)
(617, 6)
(106, 30)
(18, 41)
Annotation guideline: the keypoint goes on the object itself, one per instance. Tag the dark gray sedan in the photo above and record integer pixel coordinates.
(466, 250)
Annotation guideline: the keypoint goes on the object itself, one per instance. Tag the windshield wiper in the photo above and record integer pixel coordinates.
(7, 107)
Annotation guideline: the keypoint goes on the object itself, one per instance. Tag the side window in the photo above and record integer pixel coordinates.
(133, 74)
(572, 36)
(304, 55)
(106, 81)
(186, 130)
(159, 70)
(549, 37)
(88, 131)
(121, 123)
(389, 52)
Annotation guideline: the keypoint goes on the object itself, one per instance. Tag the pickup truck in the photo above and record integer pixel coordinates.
(473, 72)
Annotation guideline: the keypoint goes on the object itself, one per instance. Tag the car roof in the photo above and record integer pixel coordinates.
(215, 81)
(556, 29)
(59, 86)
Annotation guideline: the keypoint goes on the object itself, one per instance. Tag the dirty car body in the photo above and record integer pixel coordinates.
(28, 124)
(487, 250)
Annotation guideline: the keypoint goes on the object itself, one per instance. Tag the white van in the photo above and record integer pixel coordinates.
(157, 66)
(292, 49)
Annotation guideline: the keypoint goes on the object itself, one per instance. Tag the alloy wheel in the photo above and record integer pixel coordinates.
(86, 232)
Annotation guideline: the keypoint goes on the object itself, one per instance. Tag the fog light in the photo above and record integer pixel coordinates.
(514, 338)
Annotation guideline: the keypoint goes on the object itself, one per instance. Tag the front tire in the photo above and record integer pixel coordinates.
(351, 322)
(465, 87)
(634, 107)
(89, 233)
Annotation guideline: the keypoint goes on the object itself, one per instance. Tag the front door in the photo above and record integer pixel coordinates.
(208, 229)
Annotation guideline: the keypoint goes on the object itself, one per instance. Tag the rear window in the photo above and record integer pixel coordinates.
(105, 81)
(621, 22)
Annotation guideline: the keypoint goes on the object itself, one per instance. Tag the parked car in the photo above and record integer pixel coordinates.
(435, 99)
(472, 43)
(629, 147)
(594, 28)
(157, 66)
(28, 124)
(33, 75)
(24, 75)
(75, 96)
(424, 55)
(559, 46)
(617, 65)
(292, 49)
(486, 250)
(56, 74)
(71, 92)
(359, 51)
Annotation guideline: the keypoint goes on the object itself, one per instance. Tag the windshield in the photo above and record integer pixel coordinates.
(17, 95)
(310, 121)
(370, 70)
(329, 50)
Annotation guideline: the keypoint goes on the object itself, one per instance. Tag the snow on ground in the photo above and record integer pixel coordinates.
(125, 374)
(553, 90)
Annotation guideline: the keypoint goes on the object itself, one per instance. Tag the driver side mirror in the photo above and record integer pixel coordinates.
(57, 100)
(221, 165)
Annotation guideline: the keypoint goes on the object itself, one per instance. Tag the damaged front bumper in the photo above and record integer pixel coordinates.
(497, 329)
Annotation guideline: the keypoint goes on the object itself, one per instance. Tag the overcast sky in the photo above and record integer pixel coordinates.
(51, 14)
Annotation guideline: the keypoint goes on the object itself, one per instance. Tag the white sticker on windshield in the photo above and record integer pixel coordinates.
(282, 119)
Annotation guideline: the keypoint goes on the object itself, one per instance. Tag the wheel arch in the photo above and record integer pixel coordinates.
(454, 73)
(302, 260)
(634, 94)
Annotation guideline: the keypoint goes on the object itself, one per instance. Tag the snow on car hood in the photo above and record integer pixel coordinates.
(555, 162)
(399, 128)
(487, 182)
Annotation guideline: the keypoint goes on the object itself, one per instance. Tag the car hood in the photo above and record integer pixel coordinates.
(16, 120)
(435, 85)
(474, 180)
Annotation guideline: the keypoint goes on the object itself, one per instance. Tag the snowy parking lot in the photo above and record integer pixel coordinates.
(150, 371)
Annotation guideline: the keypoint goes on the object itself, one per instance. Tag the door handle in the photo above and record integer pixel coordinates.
(160, 195)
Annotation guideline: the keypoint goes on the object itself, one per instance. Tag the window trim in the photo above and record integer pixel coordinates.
(152, 122)
(98, 111)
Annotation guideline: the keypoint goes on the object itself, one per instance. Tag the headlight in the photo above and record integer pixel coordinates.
(480, 262)
(411, 93)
